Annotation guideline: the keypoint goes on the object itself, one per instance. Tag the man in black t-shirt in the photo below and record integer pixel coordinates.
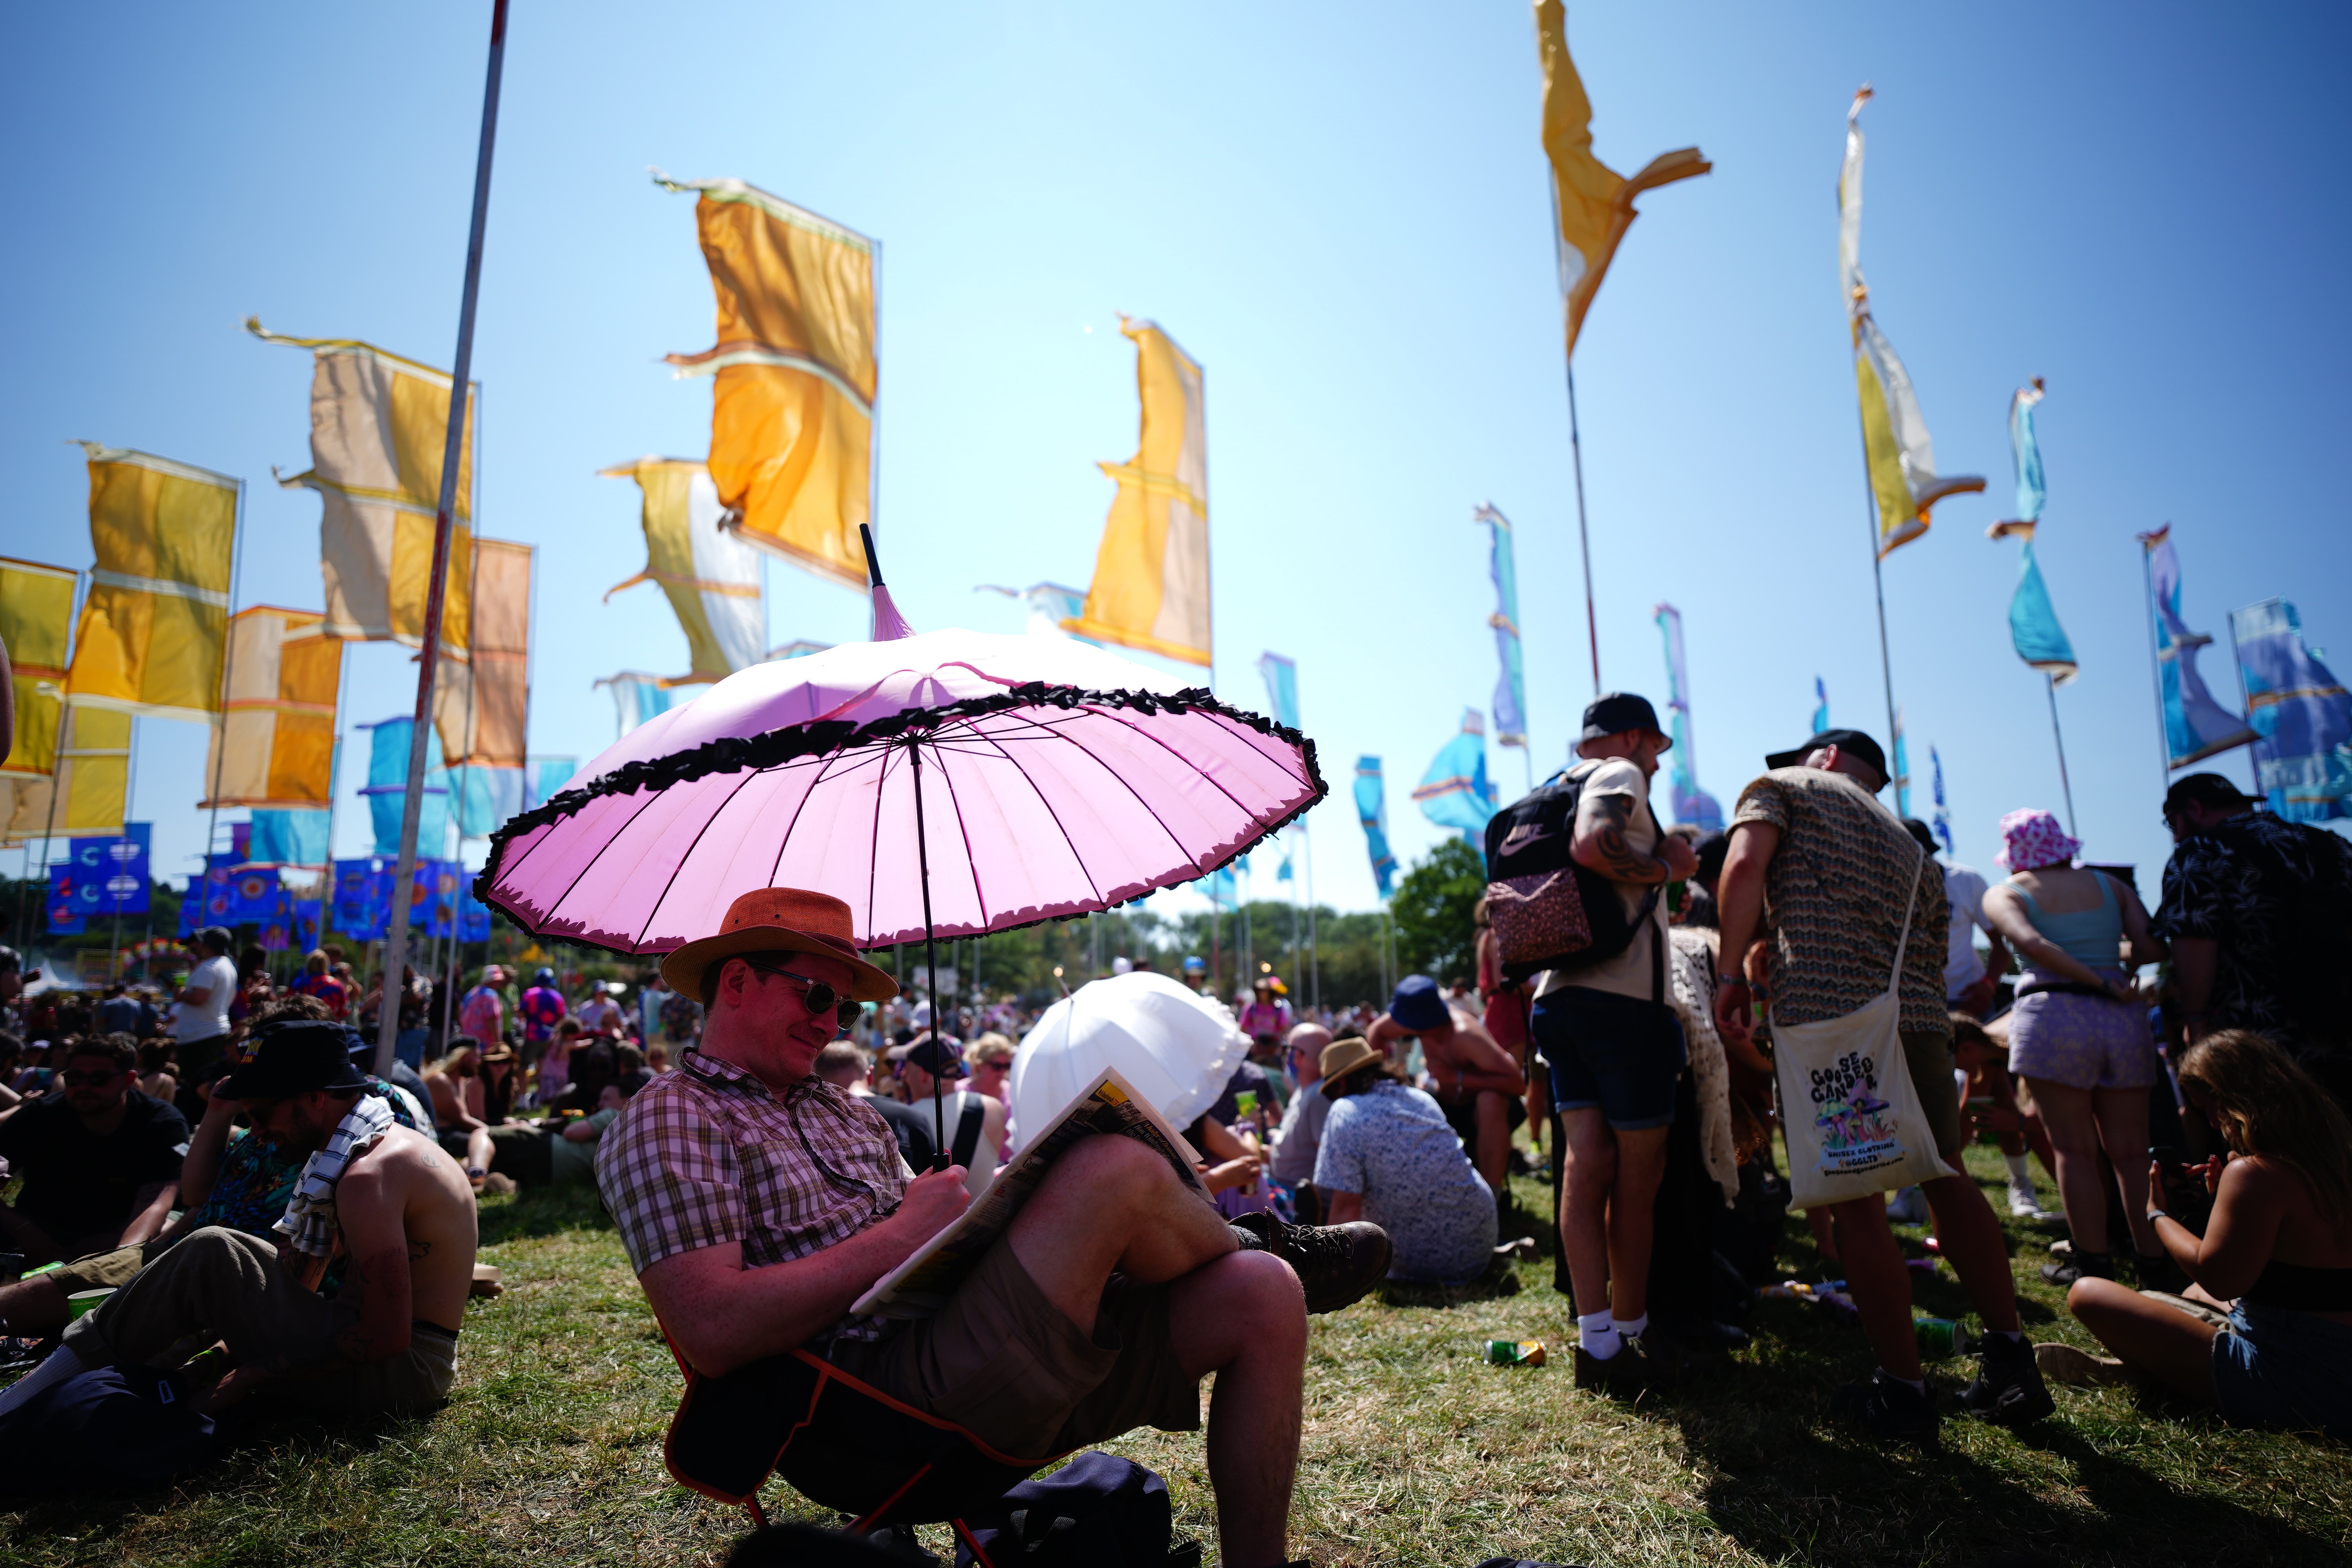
(100, 1160)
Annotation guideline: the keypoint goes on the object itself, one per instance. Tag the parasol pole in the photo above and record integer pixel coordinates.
(429, 654)
(931, 963)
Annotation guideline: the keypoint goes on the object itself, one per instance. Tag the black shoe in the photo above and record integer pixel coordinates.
(2157, 1271)
(2079, 1264)
(2008, 1390)
(1889, 1409)
(1625, 1374)
(1336, 1264)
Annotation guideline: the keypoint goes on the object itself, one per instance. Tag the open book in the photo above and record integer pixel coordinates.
(921, 1285)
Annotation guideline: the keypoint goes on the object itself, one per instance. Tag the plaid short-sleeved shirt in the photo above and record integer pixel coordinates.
(707, 1155)
(1833, 899)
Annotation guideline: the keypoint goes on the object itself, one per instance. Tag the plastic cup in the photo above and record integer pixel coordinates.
(82, 1301)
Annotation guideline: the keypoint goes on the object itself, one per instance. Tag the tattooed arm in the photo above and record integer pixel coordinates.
(1601, 844)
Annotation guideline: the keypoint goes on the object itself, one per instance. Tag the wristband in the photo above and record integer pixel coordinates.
(2159, 1213)
(1722, 979)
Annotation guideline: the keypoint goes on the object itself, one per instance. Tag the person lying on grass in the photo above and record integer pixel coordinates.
(2277, 1250)
(758, 1201)
(380, 1195)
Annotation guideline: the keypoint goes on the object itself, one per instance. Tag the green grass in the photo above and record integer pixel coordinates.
(1416, 1452)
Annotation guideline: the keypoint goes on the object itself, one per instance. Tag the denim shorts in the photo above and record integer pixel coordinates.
(1620, 1055)
(2281, 1368)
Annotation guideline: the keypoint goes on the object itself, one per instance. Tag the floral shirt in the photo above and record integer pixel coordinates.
(542, 1008)
(2275, 897)
(257, 1178)
(480, 1016)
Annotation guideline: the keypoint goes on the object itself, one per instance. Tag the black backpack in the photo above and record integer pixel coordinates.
(1548, 911)
(1097, 1512)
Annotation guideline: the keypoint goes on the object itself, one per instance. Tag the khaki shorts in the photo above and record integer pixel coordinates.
(1004, 1363)
(1929, 1057)
(100, 1270)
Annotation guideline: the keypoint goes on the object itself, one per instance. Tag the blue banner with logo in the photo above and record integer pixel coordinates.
(362, 897)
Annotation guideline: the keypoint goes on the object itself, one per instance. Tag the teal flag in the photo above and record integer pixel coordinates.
(1454, 793)
(1510, 702)
(1373, 811)
(2034, 626)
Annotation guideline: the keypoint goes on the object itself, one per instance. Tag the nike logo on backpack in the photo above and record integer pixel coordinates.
(1525, 834)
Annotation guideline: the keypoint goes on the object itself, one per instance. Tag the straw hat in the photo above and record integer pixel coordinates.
(1342, 1058)
(779, 920)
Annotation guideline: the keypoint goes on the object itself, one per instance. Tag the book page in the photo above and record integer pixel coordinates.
(1109, 1105)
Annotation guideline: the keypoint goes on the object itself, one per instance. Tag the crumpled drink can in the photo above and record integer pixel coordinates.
(1515, 1352)
(1941, 1336)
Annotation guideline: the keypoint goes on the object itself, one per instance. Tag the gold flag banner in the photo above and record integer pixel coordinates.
(1593, 203)
(1150, 587)
(791, 416)
(273, 746)
(36, 605)
(481, 703)
(711, 576)
(156, 622)
(1900, 457)
(85, 795)
(379, 427)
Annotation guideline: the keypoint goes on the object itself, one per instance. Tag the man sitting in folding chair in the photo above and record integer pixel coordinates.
(757, 1202)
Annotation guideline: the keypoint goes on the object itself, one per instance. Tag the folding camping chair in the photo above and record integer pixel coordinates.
(841, 1443)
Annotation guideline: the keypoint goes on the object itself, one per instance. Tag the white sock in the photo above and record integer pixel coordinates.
(1598, 1335)
(62, 1365)
(1627, 1328)
(2020, 1174)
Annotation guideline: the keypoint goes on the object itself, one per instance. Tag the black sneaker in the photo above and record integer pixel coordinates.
(1336, 1264)
(2008, 1390)
(1626, 1374)
(1889, 1409)
(2079, 1264)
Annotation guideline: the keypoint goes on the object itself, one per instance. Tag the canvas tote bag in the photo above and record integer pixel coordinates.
(1848, 1107)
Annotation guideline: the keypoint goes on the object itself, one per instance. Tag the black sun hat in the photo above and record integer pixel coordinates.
(1850, 740)
(292, 1057)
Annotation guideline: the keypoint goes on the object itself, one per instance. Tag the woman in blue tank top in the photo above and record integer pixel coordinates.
(2078, 1036)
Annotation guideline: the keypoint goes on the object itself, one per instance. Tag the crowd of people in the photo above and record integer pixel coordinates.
(773, 1126)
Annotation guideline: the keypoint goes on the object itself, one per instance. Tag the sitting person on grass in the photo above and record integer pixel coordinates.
(555, 1153)
(1388, 1156)
(2277, 1252)
(371, 1191)
(1479, 1086)
(756, 1202)
(229, 1178)
(100, 1160)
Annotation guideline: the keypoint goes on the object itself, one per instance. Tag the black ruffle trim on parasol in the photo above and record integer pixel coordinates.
(739, 754)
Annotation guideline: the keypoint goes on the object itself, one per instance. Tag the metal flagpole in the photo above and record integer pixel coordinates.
(334, 778)
(228, 668)
(1583, 537)
(2050, 685)
(1314, 952)
(428, 656)
(1878, 581)
(2156, 674)
(129, 790)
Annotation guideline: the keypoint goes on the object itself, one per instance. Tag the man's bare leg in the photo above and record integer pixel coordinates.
(1110, 1204)
(32, 1308)
(1632, 1211)
(1494, 1160)
(1591, 1155)
(1968, 1235)
(1878, 1282)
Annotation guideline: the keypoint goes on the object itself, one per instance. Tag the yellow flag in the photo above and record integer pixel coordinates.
(481, 703)
(379, 427)
(711, 576)
(1593, 203)
(792, 414)
(1897, 450)
(156, 620)
(35, 620)
(284, 676)
(86, 794)
(1150, 588)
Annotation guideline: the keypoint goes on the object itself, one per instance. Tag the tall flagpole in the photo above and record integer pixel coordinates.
(1583, 537)
(1878, 582)
(429, 656)
(2050, 684)
(2156, 674)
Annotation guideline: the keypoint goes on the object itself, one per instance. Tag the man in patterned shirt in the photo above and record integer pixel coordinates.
(1830, 871)
(756, 1202)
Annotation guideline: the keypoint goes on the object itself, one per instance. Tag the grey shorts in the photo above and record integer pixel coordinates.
(1004, 1363)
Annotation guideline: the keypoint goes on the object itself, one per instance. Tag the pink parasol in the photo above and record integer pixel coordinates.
(1056, 779)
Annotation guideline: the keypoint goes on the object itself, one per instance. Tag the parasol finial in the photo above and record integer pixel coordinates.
(889, 624)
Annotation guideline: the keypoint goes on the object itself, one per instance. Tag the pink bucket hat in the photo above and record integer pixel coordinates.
(2032, 839)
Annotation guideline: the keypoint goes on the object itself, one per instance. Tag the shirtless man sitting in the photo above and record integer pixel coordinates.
(757, 1202)
(1479, 1086)
(401, 1212)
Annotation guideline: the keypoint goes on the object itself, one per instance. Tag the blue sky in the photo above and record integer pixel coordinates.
(1341, 212)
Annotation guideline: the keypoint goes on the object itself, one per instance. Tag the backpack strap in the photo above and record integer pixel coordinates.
(1918, 868)
(970, 1123)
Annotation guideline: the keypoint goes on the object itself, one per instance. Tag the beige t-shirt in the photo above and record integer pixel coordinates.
(1628, 973)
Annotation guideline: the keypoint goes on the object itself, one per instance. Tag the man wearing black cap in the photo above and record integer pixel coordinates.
(1826, 875)
(2259, 914)
(379, 1193)
(975, 1123)
(1615, 1050)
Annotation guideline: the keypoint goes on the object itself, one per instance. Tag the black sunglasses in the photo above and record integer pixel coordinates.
(819, 998)
(72, 1079)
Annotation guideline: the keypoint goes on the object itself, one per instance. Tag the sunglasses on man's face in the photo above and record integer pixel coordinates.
(73, 1079)
(816, 995)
